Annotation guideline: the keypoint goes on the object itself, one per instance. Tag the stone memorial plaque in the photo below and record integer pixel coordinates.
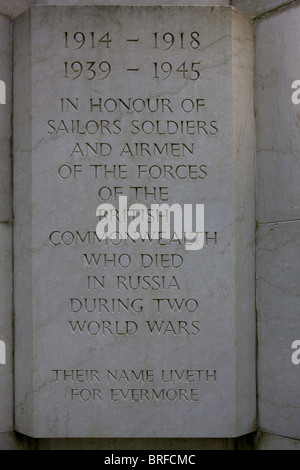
(126, 324)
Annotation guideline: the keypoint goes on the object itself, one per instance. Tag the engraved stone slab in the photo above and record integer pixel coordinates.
(133, 337)
(278, 145)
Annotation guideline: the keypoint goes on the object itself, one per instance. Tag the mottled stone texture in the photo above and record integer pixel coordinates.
(15, 441)
(49, 274)
(6, 320)
(279, 327)
(136, 2)
(265, 441)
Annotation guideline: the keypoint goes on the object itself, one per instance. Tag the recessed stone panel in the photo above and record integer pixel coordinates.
(5, 117)
(278, 141)
(134, 337)
(279, 328)
(6, 334)
(137, 2)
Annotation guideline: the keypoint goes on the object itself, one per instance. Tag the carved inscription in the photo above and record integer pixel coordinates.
(140, 145)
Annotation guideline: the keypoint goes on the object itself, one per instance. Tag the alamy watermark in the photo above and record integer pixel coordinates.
(296, 94)
(2, 92)
(296, 354)
(160, 221)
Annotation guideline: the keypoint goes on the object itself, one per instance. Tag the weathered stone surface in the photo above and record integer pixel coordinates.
(193, 310)
(5, 119)
(279, 327)
(8, 441)
(271, 442)
(278, 140)
(265, 441)
(6, 369)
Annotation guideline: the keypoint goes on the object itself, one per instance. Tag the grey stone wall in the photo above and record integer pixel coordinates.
(14, 8)
(278, 211)
(278, 170)
(6, 317)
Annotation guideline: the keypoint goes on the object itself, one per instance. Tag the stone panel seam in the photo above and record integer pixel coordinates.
(276, 9)
(281, 222)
